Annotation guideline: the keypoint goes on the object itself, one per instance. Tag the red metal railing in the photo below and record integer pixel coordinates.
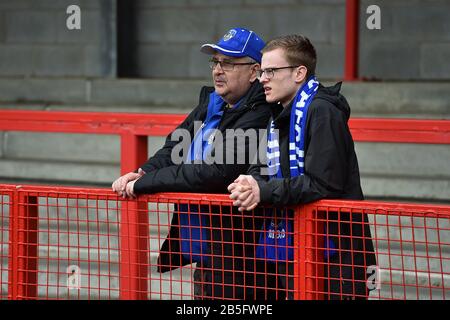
(411, 242)
(67, 243)
(133, 129)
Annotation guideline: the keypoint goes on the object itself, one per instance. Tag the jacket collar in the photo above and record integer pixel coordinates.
(254, 96)
(281, 115)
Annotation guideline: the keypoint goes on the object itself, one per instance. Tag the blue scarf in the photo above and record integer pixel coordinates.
(202, 142)
(194, 226)
(275, 243)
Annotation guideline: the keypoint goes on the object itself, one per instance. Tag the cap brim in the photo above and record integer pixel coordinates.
(208, 48)
(213, 48)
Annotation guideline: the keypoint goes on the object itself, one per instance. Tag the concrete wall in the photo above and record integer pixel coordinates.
(35, 41)
(413, 43)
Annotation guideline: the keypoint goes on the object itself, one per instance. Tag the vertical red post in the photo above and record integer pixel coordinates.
(351, 40)
(308, 244)
(299, 253)
(316, 267)
(133, 151)
(23, 243)
(134, 232)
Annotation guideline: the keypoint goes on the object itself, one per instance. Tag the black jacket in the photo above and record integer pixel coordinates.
(331, 166)
(228, 261)
(331, 171)
(252, 113)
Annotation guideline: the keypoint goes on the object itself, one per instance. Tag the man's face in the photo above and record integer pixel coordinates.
(232, 85)
(283, 86)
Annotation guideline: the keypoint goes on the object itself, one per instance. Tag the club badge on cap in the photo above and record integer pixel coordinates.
(230, 34)
(237, 42)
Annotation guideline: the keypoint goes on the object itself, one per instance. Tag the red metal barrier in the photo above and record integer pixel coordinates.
(20, 208)
(412, 245)
(67, 243)
(6, 227)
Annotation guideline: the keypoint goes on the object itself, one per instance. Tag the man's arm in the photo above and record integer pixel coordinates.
(163, 157)
(204, 177)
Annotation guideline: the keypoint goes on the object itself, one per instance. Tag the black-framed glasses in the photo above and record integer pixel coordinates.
(227, 65)
(270, 72)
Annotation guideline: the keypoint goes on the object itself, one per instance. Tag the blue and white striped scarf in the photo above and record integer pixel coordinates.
(296, 133)
(275, 243)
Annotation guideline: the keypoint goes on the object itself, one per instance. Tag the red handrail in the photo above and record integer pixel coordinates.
(308, 274)
(134, 127)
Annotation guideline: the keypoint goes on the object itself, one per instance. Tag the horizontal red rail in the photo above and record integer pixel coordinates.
(223, 199)
(363, 129)
(401, 130)
(105, 194)
(89, 122)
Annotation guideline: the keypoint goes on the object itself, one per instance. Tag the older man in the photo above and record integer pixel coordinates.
(237, 101)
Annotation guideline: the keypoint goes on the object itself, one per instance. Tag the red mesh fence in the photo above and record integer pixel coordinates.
(83, 243)
(411, 242)
(5, 206)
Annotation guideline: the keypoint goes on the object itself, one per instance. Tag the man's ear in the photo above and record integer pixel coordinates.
(300, 74)
(253, 69)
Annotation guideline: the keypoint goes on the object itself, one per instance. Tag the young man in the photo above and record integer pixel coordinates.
(237, 101)
(310, 156)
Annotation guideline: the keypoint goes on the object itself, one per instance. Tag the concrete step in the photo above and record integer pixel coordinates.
(386, 99)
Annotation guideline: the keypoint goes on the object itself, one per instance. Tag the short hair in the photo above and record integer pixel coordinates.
(298, 49)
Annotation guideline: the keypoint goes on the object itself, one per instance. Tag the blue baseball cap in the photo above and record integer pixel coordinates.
(237, 42)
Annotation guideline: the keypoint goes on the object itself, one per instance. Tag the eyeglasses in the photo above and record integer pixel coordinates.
(227, 65)
(270, 72)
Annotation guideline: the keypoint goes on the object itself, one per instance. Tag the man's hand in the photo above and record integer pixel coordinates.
(245, 191)
(120, 185)
(129, 190)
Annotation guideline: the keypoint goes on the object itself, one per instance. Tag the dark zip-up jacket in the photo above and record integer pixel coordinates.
(331, 166)
(331, 171)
